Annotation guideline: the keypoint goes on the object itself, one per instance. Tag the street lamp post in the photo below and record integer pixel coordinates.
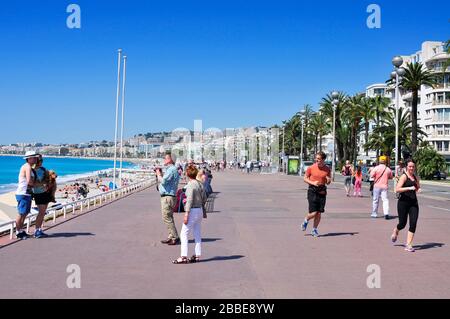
(334, 96)
(123, 110)
(282, 153)
(117, 117)
(397, 74)
(301, 144)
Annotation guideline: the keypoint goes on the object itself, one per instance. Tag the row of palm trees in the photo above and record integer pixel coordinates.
(353, 117)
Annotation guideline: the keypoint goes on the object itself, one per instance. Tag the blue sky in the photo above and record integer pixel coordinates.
(230, 63)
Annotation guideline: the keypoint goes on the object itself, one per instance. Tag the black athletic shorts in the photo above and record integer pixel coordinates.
(42, 199)
(316, 201)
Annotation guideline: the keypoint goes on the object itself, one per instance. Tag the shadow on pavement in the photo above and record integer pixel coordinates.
(206, 240)
(428, 246)
(68, 235)
(338, 234)
(220, 258)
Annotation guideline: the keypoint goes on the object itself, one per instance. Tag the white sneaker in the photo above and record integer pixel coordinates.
(374, 216)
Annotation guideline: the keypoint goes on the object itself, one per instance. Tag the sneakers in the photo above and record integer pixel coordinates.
(374, 216)
(304, 225)
(315, 233)
(22, 235)
(394, 238)
(410, 248)
(387, 217)
(39, 234)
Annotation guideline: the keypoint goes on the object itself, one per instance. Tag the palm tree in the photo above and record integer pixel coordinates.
(380, 104)
(353, 115)
(415, 76)
(326, 107)
(368, 113)
(383, 136)
(447, 63)
(306, 114)
(320, 126)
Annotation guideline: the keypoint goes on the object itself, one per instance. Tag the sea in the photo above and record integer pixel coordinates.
(68, 169)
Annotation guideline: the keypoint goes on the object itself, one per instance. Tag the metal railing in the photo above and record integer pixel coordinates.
(79, 205)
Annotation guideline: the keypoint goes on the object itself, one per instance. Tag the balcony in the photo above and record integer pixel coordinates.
(438, 103)
(442, 86)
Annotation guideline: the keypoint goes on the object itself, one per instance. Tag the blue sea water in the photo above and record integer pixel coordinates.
(66, 168)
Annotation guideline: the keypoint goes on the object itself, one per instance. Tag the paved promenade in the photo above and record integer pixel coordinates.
(253, 248)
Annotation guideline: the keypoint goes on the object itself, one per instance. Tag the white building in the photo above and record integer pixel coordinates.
(434, 103)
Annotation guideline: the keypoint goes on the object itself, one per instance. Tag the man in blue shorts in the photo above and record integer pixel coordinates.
(24, 193)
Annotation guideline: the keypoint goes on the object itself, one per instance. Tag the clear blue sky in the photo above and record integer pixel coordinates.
(231, 63)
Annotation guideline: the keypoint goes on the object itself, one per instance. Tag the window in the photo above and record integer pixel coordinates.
(447, 130)
(439, 146)
(440, 130)
(445, 146)
(440, 115)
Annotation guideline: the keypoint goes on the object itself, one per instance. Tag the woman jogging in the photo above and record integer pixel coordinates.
(407, 206)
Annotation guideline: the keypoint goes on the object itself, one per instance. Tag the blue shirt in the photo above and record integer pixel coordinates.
(169, 184)
(40, 187)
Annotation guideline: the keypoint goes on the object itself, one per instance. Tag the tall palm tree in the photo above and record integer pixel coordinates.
(314, 127)
(368, 113)
(326, 107)
(383, 136)
(447, 63)
(353, 115)
(380, 104)
(320, 126)
(307, 114)
(413, 79)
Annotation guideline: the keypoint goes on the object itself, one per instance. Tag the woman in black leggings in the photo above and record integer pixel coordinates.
(407, 186)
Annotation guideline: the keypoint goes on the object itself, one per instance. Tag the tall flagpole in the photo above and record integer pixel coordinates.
(117, 117)
(123, 107)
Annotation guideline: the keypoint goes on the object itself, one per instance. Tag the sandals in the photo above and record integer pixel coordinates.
(194, 259)
(181, 260)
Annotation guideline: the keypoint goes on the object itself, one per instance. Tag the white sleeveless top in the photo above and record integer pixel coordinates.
(22, 188)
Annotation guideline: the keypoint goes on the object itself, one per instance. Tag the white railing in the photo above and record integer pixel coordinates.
(79, 205)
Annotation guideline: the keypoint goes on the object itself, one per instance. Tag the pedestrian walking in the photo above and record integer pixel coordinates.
(317, 176)
(194, 213)
(347, 172)
(381, 175)
(371, 180)
(407, 205)
(358, 182)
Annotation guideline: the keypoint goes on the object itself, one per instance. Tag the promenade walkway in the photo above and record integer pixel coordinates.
(253, 248)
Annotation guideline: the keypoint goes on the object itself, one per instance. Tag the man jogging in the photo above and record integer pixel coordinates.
(317, 176)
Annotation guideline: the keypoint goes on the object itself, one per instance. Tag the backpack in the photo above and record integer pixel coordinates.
(347, 171)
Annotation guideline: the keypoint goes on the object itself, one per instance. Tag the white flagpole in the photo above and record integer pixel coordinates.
(117, 117)
(123, 107)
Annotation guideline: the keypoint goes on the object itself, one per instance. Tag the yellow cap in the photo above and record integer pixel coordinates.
(383, 158)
